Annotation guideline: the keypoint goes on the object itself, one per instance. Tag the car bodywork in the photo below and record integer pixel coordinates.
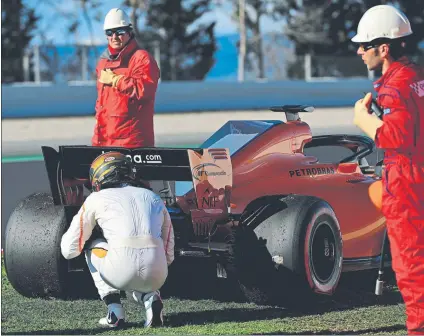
(207, 189)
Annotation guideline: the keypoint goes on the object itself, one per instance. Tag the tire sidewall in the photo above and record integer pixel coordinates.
(321, 214)
(33, 261)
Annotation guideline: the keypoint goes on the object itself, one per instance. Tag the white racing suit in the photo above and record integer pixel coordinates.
(139, 239)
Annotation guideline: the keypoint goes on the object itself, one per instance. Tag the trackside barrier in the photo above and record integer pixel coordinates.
(78, 99)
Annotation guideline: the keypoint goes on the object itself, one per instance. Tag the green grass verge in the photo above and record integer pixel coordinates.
(348, 312)
(27, 158)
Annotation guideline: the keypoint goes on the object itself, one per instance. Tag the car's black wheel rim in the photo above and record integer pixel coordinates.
(323, 252)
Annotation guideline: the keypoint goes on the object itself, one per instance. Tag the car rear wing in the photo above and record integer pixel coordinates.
(209, 169)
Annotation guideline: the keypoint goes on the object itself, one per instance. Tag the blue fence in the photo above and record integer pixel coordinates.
(50, 100)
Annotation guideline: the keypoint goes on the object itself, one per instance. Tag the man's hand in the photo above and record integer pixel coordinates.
(362, 107)
(108, 77)
(369, 123)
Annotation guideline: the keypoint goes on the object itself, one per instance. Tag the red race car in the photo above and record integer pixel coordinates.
(253, 197)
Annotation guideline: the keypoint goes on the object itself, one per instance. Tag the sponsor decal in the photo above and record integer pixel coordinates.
(143, 158)
(418, 87)
(312, 171)
(386, 111)
(148, 158)
(110, 158)
(210, 201)
(218, 154)
(207, 170)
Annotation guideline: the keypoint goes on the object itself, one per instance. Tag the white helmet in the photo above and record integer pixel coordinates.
(382, 21)
(116, 18)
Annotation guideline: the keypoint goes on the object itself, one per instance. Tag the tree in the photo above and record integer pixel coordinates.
(18, 23)
(322, 27)
(326, 27)
(148, 38)
(312, 25)
(253, 12)
(305, 27)
(82, 11)
(138, 8)
(187, 48)
(343, 17)
(73, 13)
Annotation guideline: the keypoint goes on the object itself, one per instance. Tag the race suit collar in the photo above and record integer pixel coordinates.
(401, 62)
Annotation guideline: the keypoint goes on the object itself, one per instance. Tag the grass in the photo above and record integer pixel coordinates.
(197, 306)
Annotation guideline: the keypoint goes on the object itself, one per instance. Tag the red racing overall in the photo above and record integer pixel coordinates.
(401, 95)
(124, 115)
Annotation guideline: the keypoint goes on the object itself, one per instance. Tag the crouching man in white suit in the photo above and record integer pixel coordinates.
(138, 244)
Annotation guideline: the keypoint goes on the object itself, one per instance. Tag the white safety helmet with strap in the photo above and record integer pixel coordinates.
(116, 18)
(382, 21)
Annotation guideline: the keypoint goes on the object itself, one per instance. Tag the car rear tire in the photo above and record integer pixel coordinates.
(323, 249)
(294, 250)
(249, 266)
(32, 255)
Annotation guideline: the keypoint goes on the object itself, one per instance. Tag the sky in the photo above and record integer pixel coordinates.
(55, 27)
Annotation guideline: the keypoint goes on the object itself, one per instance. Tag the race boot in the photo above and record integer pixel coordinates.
(153, 305)
(115, 312)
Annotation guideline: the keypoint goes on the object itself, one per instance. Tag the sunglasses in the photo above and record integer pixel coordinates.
(366, 47)
(118, 32)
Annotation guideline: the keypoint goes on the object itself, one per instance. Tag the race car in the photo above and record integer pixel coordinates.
(252, 197)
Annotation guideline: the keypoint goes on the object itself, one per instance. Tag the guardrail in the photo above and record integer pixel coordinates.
(78, 98)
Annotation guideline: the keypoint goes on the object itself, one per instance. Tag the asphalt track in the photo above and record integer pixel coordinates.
(20, 179)
(23, 137)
